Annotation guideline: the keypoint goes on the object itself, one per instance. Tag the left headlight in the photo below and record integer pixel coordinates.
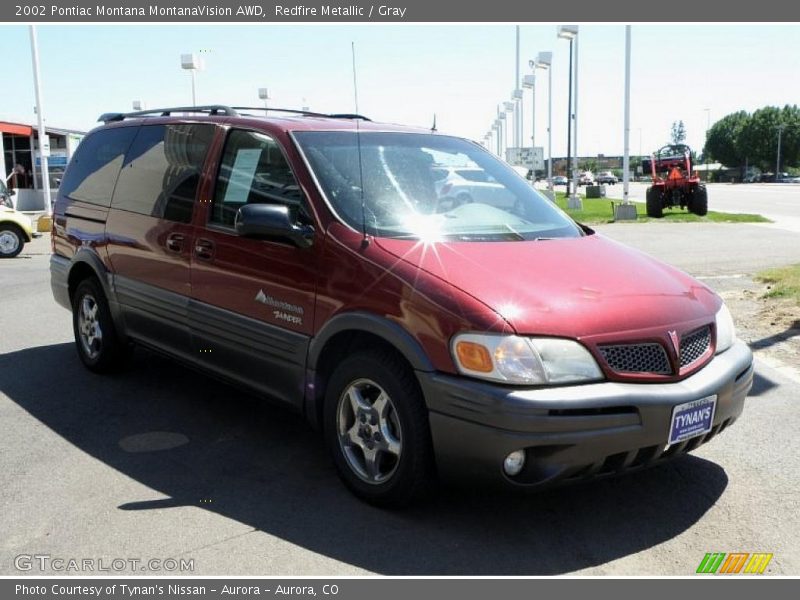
(522, 360)
(726, 332)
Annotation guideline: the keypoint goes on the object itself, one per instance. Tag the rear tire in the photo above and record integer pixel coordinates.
(699, 201)
(377, 431)
(654, 208)
(96, 339)
(11, 240)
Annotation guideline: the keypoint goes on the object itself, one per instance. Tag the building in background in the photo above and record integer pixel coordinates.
(20, 163)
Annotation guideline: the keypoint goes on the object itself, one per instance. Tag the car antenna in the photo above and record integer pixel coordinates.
(365, 239)
(433, 127)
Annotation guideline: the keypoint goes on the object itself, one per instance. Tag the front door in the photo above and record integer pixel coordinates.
(252, 306)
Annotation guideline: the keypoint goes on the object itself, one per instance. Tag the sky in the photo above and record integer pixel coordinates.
(408, 73)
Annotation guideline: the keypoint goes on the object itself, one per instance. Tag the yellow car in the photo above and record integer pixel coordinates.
(15, 228)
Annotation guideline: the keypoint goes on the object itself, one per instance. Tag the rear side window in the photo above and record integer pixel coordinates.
(253, 170)
(162, 171)
(94, 168)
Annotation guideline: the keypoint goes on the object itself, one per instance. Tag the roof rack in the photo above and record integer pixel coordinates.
(212, 109)
(306, 113)
(220, 109)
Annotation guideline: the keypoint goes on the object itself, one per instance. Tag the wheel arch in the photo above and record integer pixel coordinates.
(26, 236)
(87, 263)
(341, 335)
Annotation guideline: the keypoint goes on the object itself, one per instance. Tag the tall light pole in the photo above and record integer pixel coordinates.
(529, 83)
(509, 106)
(626, 211)
(191, 63)
(570, 32)
(263, 94)
(44, 144)
(544, 60)
(517, 99)
(780, 129)
(708, 128)
(509, 110)
(626, 157)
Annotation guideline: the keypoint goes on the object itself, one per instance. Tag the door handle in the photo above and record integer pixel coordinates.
(175, 242)
(204, 249)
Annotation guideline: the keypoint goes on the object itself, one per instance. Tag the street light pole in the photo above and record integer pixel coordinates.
(511, 128)
(263, 94)
(544, 60)
(569, 121)
(191, 63)
(517, 104)
(44, 146)
(570, 32)
(575, 199)
(529, 82)
(626, 211)
(708, 127)
(626, 159)
(550, 127)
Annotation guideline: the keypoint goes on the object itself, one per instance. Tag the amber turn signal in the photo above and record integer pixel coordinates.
(474, 357)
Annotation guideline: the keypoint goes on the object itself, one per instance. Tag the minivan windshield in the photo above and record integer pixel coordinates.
(428, 186)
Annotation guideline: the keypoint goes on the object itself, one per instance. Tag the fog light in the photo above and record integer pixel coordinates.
(514, 462)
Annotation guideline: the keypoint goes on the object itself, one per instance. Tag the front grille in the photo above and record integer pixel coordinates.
(694, 345)
(637, 358)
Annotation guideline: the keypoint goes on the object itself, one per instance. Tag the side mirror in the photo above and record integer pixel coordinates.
(272, 221)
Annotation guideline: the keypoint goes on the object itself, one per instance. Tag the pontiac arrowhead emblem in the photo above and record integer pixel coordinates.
(261, 297)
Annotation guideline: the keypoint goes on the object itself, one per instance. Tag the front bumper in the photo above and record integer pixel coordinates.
(573, 432)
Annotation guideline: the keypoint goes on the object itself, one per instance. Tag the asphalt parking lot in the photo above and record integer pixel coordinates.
(160, 462)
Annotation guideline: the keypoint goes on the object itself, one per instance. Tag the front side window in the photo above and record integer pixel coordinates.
(417, 185)
(253, 170)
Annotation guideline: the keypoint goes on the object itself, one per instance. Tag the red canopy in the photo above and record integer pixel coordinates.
(15, 128)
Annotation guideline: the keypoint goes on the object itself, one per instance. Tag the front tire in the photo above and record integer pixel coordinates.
(11, 240)
(654, 208)
(96, 340)
(376, 429)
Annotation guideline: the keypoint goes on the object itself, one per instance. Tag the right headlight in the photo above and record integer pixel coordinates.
(524, 360)
(726, 332)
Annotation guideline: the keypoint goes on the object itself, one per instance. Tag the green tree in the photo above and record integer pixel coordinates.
(677, 132)
(724, 140)
(760, 137)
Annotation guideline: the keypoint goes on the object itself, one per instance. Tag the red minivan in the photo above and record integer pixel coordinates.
(320, 261)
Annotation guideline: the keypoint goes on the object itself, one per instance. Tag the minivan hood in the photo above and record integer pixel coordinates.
(573, 287)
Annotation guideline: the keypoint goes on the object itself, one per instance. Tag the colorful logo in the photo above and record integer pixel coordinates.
(734, 563)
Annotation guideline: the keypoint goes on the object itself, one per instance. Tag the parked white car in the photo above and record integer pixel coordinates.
(472, 184)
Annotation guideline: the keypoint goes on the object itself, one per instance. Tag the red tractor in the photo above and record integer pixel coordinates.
(674, 183)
